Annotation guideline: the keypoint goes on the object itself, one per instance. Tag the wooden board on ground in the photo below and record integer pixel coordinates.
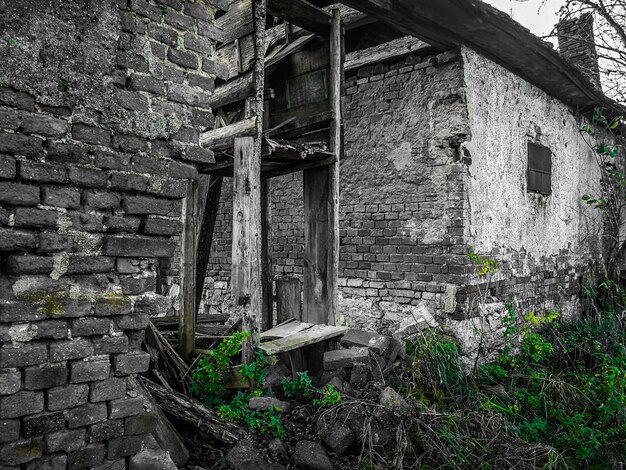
(304, 334)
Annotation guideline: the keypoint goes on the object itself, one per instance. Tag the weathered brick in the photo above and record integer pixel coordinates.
(9, 119)
(162, 227)
(345, 358)
(51, 242)
(87, 414)
(21, 311)
(133, 322)
(180, 22)
(124, 446)
(163, 34)
(19, 194)
(195, 43)
(119, 224)
(87, 222)
(76, 348)
(183, 58)
(147, 83)
(22, 451)
(23, 355)
(21, 404)
(8, 167)
(199, 11)
(111, 344)
(89, 370)
(215, 68)
(143, 423)
(209, 30)
(43, 172)
(143, 8)
(45, 376)
(30, 264)
(19, 144)
(68, 153)
(91, 135)
(43, 423)
(129, 143)
(102, 199)
(61, 197)
(113, 305)
(173, 188)
(182, 170)
(36, 218)
(43, 125)
(109, 389)
(128, 182)
(88, 456)
(153, 206)
(90, 264)
(199, 155)
(111, 161)
(125, 407)
(132, 61)
(49, 462)
(9, 430)
(67, 396)
(106, 430)
(132, 100)
(131, 363)
(16, 240)
(88, 177)
(135, 285)
(139, 246)
(16, 99)
(202, 119)
(10, 381)
(66, 441)
(188, 95)
(91, 326)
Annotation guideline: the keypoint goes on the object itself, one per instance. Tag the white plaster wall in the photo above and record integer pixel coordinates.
(504, 112)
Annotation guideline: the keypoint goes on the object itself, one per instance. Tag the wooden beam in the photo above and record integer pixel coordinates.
(266, 256)
(288, 299)
(234, 90)
(301, 13)
(207, 228)
(187, 325)
(223, 137)
(305, 165)
(392, 50)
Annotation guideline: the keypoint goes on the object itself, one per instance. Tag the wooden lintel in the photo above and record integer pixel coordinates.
(301, 13)
(224, 137)
(392, 50)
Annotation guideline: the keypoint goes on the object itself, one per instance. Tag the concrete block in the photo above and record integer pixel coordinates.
(345, 358)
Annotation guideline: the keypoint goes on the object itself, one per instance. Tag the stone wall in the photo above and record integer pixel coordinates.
(101, 106)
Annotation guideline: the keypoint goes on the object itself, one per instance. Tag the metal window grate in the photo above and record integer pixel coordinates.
(539, 169)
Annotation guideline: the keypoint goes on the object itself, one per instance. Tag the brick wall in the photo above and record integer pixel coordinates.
(577, 43)
(101, 106)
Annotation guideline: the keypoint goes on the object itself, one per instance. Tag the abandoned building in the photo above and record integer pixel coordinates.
(163, 157)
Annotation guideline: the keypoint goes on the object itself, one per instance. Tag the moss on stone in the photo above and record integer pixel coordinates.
(50, 303)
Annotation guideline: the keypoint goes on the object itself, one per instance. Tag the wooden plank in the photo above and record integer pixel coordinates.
(186, 328)
(165, 322)
(300, 123)
(304, 166)
(235, 90)
(392, 50)
(266, 256)
(301, 13)
(313, 335)
(288, 299)
(223, 137)
(287, 328)
(205, 237)
(237, 21)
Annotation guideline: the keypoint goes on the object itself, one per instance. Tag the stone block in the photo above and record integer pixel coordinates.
(9, 430)
(359, 338)
(10, 381)
(119, 224)
(35, 218)
(163, 34)
(128, 182)
(209, 30)
(90, 264)
(87, 456)
(162, 227)
(89, 370)
(178, 21)
(182, 171)
(195, 43)
(111, 344)
(20, 144)
(43, 172)
(8, 167)
(149, 459)
(88, 177)
(125, 407)
(265, 403)
(393, 401)
(109, 389)
(183, 58)
(143, 423)
(68, 396)
(113, 305)
(43, 423)
(20, 355)
(49, 462)
(45, 376)
(43, 125)
(188, 95)
(21, 404)
(152, 206)
(86, 222)
(18, 194)
(124, 446)
(360, 375)
(102, 199)
(111, 161)
(129, 143)
(345, 358)
(133, 247)
(30, 264)
(146, 83)
(85, 415)
(16, 99)
(199, 155)
(135, 285)
(245, 455)
(50, 242)
(22, 451)
(153, 304)
(339, 439)
(16, 240)
(310, 454)
(76, 348)
(138, 321)
(106, 430)
(131, 363)
(91, 135)
(68, 153)
(91, 326)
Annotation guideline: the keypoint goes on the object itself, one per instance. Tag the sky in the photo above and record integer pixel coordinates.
(539, 19)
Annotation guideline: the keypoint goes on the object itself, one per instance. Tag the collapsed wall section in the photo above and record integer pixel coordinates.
(101, 107)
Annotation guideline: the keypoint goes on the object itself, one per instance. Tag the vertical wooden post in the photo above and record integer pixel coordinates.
(266, 255)
(321, 207)
(205, 232)
(288, 299)
(187, 324)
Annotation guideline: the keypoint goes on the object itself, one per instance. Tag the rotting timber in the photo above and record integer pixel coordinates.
(278, 112)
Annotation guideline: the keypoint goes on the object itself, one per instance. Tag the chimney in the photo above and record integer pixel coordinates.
(577, 44)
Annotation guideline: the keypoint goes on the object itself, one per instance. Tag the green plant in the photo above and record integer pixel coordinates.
(330, 397)
(300, 386)
(266, 422)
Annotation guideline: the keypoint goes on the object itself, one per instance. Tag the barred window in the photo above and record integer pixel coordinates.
(539, 169)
